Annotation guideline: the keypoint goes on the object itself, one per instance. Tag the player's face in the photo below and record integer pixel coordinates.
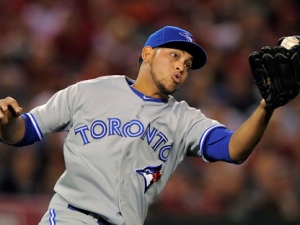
(169, 69)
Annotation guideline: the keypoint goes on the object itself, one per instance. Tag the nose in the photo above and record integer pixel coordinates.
(179, 68)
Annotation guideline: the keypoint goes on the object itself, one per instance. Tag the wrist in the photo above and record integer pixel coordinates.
(264, 105)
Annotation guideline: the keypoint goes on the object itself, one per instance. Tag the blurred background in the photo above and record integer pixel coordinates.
(46, 45)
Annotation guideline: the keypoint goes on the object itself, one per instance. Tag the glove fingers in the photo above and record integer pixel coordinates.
(269, 63)
(259, 73)
(288, 86)
(256, 65)
(285, 72)
(295, 59)
(271, 71)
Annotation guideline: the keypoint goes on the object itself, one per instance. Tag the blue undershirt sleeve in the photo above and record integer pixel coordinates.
(216, 145)
(32, 132)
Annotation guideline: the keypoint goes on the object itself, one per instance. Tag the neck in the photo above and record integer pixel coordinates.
(145, 85)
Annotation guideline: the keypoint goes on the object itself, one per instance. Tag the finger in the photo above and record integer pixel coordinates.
(3, 105)
(10, 103)
(2, 113)
(16, 109)
(14, 105)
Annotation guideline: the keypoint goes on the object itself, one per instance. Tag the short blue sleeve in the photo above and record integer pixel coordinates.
(32, 133)
(216, 145)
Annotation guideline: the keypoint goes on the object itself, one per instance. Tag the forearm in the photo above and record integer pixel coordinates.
(247, 136)
(13, 132)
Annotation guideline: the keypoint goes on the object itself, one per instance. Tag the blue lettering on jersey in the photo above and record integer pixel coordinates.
(98, 124)
(81, 131)
(127, 128)
(149, 134)
(132, 129)
(114, 125)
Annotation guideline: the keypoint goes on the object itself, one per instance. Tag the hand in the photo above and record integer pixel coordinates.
(9, 110)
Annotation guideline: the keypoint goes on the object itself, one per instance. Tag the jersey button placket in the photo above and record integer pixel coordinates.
(127, 162)
(138, 114)
(127, 167)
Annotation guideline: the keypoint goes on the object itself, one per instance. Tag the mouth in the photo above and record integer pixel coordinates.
(176, 78)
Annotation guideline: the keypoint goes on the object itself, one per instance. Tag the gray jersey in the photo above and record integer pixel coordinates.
(120, 149)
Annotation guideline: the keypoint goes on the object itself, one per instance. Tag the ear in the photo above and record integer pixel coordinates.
(146, 52)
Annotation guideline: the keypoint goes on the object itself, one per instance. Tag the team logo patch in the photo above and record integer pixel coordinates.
(188, 37)
(150, 174)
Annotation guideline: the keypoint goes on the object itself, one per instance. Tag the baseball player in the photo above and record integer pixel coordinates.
(126, 137)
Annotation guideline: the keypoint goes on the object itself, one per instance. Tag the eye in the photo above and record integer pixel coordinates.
(188, 66)
(175, 55)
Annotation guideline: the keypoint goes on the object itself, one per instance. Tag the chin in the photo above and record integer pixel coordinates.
(169, 92)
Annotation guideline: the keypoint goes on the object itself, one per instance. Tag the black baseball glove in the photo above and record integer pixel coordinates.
(276, 73)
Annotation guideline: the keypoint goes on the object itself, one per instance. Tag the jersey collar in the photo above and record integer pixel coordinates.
(144, 97)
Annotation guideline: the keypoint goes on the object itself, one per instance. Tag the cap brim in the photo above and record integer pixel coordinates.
(197, 52)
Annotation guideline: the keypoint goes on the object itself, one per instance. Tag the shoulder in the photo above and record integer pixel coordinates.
(103, 79)
(182, 106)
(187, 114)
(106, 82)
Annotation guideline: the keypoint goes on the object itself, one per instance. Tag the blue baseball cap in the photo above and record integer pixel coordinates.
(175, 37)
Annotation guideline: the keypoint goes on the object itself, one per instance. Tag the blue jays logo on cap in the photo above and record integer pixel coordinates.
(188, 36)
(175, 37)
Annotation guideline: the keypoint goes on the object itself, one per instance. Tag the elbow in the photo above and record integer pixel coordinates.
(239, 161)
(239, 157)
(240, 152)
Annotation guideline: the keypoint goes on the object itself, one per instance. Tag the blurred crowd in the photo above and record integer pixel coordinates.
(46, 45)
